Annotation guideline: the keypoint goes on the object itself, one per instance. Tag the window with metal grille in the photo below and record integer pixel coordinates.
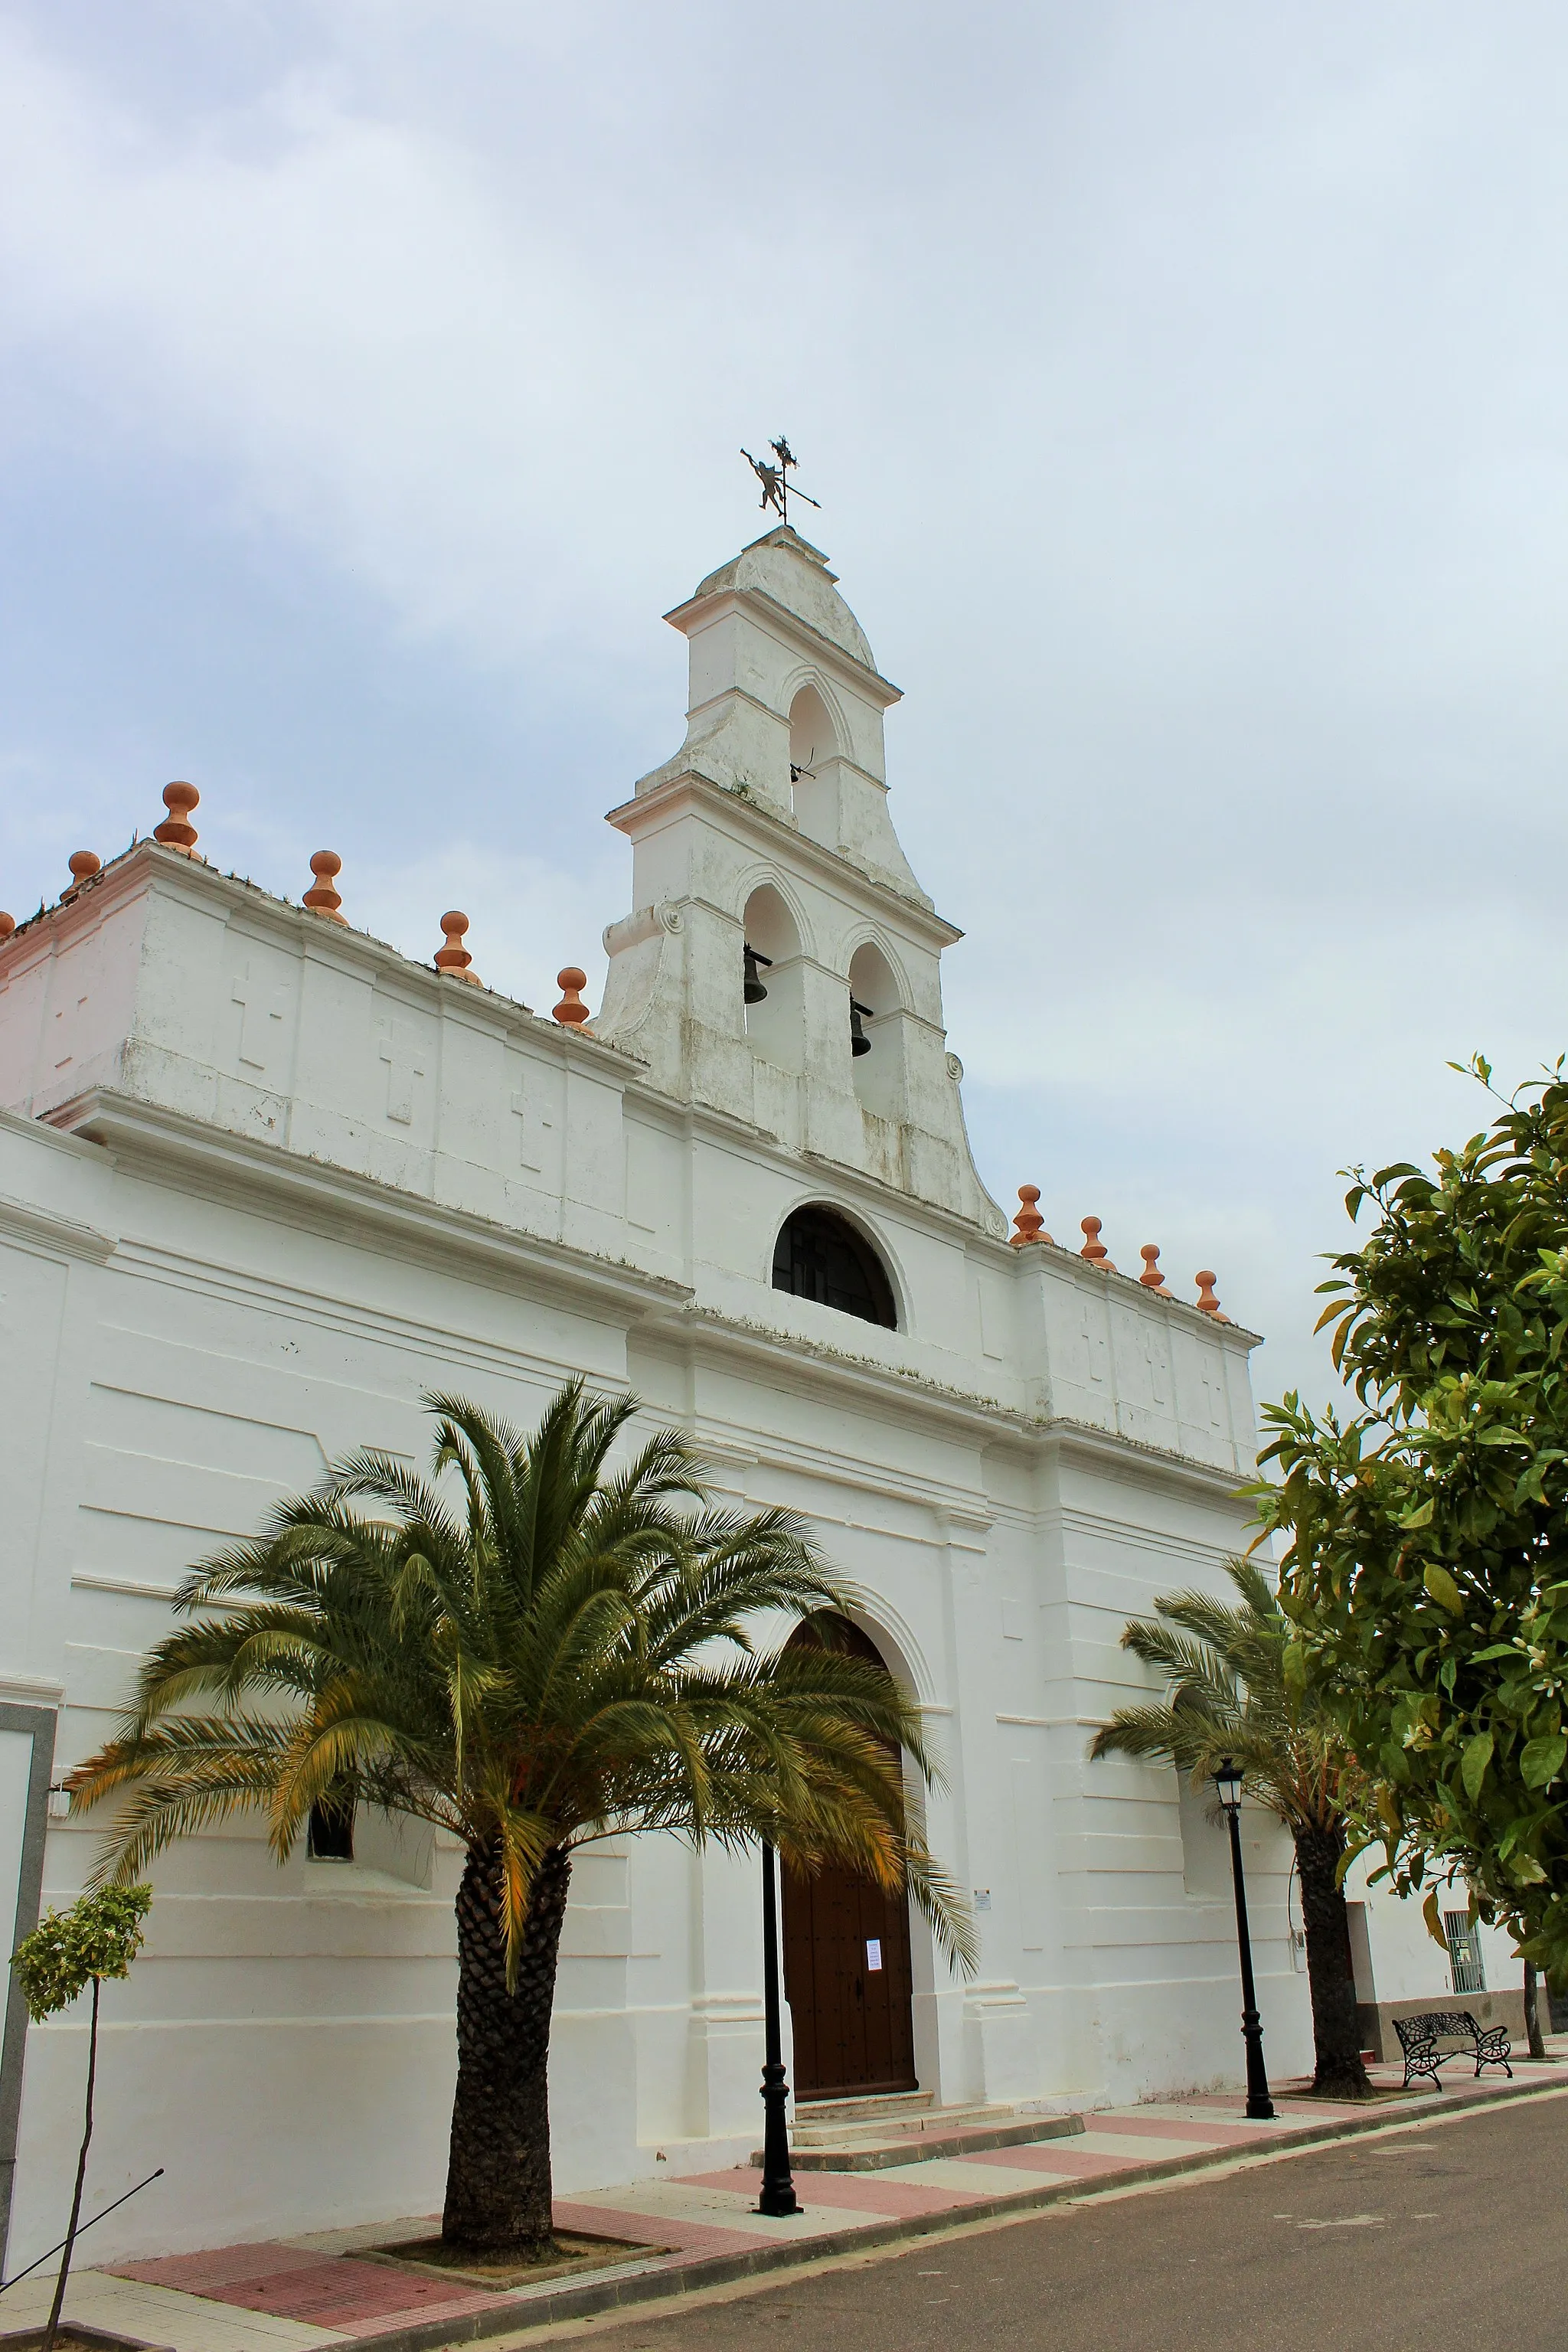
(819, 1254)
(1464, 1952)
(331, 1834)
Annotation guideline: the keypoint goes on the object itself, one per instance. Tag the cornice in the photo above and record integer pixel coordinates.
(40, 1230)
(752, 821)
(31, 1690)
(797, 632)
(167, 1145)
(872, 1193)
(341, 1202)
(1084, 1274)
(811, 1363)
(729, 695)
(147, 866)
(1131, 1457)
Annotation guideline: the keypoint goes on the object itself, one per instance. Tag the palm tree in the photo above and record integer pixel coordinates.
(1227, 1694)
(552, 1653)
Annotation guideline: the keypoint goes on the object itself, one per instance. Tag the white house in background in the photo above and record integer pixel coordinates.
(1399, 1969)
(263, 1180)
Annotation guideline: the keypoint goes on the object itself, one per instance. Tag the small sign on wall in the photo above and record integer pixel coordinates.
(873, 1953)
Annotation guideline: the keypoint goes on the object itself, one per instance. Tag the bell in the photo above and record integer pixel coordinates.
(752, 993)
(859, 1042)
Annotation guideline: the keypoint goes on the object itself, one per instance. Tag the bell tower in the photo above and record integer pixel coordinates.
(783, 966)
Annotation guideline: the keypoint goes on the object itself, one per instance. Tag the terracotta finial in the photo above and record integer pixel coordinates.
(1208, 1303)
(321, 898)
(1094, 1249)
(84, 865)
(1031, 1225)
(177, 832)
(571, 1012)
(452, 957)
(7, 925)
(1152, 1278)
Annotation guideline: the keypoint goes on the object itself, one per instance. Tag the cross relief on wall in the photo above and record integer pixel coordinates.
(527, 1147)
(261, 1001)
(405, 1057)
(1092, 1332)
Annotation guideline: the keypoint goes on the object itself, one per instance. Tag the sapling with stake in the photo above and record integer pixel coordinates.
(98, 1937)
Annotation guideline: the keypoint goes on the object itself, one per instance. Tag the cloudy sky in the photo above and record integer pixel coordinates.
(1183, 387)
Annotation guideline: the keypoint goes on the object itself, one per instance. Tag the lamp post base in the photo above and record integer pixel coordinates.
(1260, 2105)
(776, 2196)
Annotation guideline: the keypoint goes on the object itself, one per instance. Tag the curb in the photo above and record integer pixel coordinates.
(593, 2298)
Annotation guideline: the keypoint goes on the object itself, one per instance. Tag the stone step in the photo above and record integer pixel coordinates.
(812, 2130)
(923, 2146)
(855, 2107)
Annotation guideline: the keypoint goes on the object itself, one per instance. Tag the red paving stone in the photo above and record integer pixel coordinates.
(297, 2282)
(1039, 2156)
(219, 2267)
(341, 2290)
(654, 2230)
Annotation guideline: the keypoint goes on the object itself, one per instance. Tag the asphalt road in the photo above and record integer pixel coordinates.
(1451, 2237)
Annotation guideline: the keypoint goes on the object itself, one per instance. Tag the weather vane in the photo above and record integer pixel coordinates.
(777, 488)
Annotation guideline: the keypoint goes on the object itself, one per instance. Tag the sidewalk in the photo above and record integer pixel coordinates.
(700, 2230)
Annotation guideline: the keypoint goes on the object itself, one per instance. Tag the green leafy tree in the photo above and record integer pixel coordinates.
(1426, 1527)
(98, 1937)
(532, 1653)
(1226, 1696)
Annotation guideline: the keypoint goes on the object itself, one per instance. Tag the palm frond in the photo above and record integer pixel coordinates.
(528, 1646)
(1225, 1697)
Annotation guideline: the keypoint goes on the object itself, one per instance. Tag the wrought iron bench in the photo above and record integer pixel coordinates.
(1419, 2037)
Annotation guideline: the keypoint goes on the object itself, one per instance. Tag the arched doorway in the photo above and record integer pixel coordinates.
(846, 1968)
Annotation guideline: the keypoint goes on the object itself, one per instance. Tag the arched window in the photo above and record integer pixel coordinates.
(769, 977)
(819, 1254)
(878, 1069)
(813, 767)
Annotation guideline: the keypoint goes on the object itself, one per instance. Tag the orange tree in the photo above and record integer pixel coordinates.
(1425, 1565)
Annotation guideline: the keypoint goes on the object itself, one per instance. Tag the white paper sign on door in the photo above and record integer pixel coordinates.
(873, 1952)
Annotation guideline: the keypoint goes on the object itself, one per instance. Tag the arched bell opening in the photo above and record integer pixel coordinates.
(772, 982)
(820, 1255)
(876, 1033)
(847, 1974)
(813, 767)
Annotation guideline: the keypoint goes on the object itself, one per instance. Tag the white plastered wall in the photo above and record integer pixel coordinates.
(263, 1180)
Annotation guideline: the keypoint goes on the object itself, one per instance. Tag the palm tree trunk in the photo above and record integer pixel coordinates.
(498, 2176)
(1339, 2070)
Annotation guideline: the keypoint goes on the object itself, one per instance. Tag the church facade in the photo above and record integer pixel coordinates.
(264, 1180)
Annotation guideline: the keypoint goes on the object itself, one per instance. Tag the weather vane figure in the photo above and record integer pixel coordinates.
(777, 488)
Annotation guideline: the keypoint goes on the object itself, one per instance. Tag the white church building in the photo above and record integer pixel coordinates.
(264, 1180)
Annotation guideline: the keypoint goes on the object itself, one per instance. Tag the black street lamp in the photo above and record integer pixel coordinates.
(776, 2195)
(1260, 2105)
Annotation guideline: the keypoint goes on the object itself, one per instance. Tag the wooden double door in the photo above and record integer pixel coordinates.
(846, 1980)
(847, 1972)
